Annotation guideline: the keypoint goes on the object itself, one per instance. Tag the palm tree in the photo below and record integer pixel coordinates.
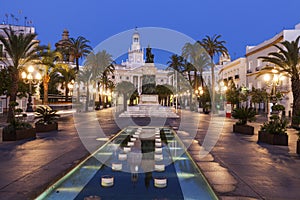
(49, 63)
(287, 60)
(21, 49)
(79, 48)
(85, 77)
(214, 46)
(101, 64)
(176, 62)
(197, 60)
(66, 75)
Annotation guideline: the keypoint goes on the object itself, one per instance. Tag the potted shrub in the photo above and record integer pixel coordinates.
(274, 131)
(244, 115)
(47, 119)
(18, 129)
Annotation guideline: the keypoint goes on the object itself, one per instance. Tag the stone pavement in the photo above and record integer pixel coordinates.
(237, 167)
(240, 168)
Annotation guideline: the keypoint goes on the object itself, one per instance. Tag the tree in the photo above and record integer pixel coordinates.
(21, 49)
(197, 57)
(84, 76)
(176, 62)
(79, 48)
(232, 94)
(214, 46)
(127, 89)
(287, 62)
(164, 92)
(49, 63)
(66, 75)
(258, 96)
(101, 65)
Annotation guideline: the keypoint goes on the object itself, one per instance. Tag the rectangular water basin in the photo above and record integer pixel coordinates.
(179, 178)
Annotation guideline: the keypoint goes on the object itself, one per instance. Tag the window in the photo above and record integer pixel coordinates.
(136, 39)
(250, 65)
(258, 62)
(113, 77)
(1, 50)
(127, 77)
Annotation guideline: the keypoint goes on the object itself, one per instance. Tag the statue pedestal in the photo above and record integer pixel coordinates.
(149, 107)
(147, 99)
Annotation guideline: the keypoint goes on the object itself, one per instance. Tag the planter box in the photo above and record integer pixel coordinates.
(274, 139)
(243, 129)
(18, 134)
(46, 127)
(298, 147)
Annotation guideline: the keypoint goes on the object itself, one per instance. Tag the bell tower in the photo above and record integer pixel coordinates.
(136, 53)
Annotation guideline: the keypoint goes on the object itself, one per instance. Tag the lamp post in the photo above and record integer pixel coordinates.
(199, 92)
(222, 88)
(29, 79)
(273, 80)
(71, 87)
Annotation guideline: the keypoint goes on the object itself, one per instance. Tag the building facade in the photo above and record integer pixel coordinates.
(135, 68)
(235, 72)
(282, 84)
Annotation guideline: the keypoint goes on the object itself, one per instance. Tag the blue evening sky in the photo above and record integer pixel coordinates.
(239, 22)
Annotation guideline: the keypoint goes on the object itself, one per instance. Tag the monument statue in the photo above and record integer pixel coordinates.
(149, 55)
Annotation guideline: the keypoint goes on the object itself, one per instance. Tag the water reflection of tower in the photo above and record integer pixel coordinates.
(148, 178)
(134, 160)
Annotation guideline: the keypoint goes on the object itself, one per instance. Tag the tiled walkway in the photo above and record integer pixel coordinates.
(237, 167)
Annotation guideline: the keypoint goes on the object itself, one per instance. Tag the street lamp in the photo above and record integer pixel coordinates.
(71, 87)
(29, 79)
(222, 88)
(199, 92)
(273, 80)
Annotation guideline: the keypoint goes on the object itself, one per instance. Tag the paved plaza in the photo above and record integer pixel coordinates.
(236, 168)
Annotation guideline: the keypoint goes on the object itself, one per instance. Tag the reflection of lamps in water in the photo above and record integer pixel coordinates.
(134, 175)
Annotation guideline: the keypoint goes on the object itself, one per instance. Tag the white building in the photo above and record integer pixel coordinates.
(234, 71)
(134, 68)
(254, 65)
